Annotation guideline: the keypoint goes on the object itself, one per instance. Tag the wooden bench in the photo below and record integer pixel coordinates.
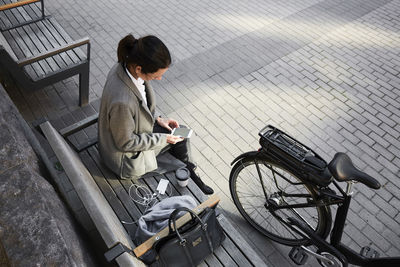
(38, 52)
(108, 203)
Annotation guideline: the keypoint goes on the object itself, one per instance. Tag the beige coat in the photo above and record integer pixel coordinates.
(127, 143)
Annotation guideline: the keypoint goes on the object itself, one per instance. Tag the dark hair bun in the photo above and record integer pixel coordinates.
(149, 52)
(124, 46)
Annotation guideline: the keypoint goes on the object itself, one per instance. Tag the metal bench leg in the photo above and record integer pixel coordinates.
(84, 87)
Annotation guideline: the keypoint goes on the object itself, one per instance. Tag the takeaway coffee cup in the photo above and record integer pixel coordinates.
(182, 175)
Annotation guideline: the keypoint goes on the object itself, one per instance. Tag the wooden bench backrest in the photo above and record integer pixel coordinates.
(7, 47)
(8, 64)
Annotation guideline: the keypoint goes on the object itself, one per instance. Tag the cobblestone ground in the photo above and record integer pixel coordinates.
(327, 72)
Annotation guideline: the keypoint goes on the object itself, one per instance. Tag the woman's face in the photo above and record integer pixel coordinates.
(150, 76)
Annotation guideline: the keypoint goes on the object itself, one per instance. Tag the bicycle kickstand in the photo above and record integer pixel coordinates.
(299, 255)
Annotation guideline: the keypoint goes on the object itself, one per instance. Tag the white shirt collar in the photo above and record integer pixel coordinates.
(139, 83)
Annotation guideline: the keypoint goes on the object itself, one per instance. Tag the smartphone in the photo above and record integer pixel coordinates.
(182, 132)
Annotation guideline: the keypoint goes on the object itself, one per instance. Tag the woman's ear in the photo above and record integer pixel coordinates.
(138, 69)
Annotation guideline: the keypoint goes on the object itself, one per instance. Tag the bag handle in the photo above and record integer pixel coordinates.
(182, 240)
(175, 213)
(172, 218)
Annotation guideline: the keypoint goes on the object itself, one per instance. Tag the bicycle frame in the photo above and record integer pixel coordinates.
(335, 246)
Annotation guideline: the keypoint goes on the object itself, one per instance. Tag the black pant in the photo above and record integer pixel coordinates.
(180, 150)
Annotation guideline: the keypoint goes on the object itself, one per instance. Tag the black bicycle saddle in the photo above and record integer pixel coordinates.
(342, 168)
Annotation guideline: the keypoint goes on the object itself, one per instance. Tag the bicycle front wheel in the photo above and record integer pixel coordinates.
(255, 183)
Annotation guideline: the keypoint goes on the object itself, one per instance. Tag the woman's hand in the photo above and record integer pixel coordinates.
(172, 139)
(168, 124)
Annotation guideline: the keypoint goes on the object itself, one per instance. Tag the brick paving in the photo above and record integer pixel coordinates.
(327, 72)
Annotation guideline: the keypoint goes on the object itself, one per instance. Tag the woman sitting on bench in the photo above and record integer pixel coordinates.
(130, 134)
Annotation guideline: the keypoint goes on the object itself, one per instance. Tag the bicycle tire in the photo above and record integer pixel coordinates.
(244, 176)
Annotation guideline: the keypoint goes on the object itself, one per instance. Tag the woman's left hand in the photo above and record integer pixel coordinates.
(168, 124)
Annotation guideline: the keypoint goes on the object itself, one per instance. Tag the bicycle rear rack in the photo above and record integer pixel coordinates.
(286, 148)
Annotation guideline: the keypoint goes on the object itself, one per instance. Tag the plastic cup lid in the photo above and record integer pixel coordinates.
(182, 174)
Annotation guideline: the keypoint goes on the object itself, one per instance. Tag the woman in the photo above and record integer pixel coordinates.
(131, 135)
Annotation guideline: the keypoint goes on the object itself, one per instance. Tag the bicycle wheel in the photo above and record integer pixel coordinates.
(252, 197)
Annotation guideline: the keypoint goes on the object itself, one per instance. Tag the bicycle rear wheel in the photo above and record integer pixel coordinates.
(252, 194)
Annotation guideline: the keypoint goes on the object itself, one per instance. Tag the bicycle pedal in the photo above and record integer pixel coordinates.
(298, 256)
(369, 252)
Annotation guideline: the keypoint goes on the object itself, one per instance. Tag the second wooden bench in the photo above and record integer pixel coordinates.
(39, 52)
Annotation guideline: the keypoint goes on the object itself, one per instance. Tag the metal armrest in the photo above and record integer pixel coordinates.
(76, 127)
(17, 4)
(55, 51)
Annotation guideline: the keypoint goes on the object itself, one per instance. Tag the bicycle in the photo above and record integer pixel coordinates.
(284, 190)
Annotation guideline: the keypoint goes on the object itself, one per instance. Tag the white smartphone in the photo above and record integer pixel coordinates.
(182, 132)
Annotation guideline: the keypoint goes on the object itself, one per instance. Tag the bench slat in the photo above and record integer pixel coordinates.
(232, 249)
(232, 232)
(223, 255)
(212, 261)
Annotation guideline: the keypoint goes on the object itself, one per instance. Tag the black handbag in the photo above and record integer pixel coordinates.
(190, 244)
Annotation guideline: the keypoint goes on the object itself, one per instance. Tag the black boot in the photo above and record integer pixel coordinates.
(205, 188)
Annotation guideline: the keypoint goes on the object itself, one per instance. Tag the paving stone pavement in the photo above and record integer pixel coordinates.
(327, 72)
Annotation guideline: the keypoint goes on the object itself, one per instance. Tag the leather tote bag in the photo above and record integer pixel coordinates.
(193, 242)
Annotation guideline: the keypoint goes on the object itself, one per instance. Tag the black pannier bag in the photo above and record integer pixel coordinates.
(295, 156)
(190, 244)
